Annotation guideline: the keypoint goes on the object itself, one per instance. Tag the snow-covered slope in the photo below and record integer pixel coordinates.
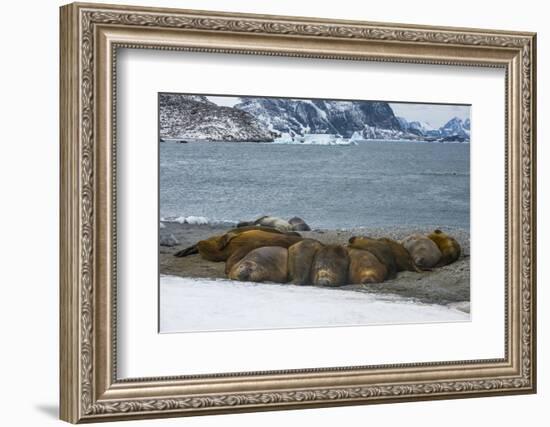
(456, 126)
(184, 117)
(300, 117)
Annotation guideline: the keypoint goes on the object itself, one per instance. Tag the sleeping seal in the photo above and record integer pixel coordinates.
(300, 259)
(424, 252)
(364, 267)
(293, 224)
(330, 266)
(266, 264)
(449, 247)
(269, 221)
(381, 250)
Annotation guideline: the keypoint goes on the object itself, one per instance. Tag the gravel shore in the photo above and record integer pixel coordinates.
(449, 285)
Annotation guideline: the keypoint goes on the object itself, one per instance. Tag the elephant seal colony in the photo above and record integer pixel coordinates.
(426, 264)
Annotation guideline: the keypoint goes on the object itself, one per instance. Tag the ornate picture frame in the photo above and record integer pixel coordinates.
(90, 37)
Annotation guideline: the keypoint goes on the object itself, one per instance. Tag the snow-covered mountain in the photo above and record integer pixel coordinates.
(416, 127)
(300, 117)
(184, 117)
(455, 130)
(195, 117)
(456, 126)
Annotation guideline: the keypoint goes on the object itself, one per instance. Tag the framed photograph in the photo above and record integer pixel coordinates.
(268, 212)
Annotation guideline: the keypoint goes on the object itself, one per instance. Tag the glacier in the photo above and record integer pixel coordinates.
(314, 139)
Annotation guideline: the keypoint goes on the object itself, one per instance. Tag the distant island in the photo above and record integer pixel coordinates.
(186, 118)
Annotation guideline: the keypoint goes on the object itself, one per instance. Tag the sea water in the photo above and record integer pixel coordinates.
(369, 184)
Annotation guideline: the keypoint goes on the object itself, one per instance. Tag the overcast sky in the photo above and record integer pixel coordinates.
(227, 101)
(434, 114)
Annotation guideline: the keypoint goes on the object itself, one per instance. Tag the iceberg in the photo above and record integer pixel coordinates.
(285, 138)
(357, 136)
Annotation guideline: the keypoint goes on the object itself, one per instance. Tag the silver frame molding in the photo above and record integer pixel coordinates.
(90, 37)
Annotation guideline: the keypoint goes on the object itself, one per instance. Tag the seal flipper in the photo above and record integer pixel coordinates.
(191, 250)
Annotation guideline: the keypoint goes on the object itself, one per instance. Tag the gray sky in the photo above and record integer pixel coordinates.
(434, 114)
(226, 101)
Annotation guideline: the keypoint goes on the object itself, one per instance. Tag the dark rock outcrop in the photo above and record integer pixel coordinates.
(300, 116)
(194, 117)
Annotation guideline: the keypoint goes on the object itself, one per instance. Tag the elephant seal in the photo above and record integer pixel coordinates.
(449, 247)
(381, 250)
(265, 264)
(403, 259)
(364, 267)
(209, 245)
(293, 224)
(300, 259)
(298, 224)
(330, 266)
(424, 252)
(399, 260)
(269, 221)
(235, 246)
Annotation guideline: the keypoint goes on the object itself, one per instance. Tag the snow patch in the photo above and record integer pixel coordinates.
(198, 220)
(188, 304)
(357, 136)
(314, 139)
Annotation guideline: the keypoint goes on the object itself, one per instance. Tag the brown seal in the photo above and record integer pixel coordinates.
(424, 252)
(364, 267)
(265, 264)
(449, 247)
(300, 259)
(389, 252)
(381, 250)
(234, 246)
(403, 259)
(330, 266)
(211, 247)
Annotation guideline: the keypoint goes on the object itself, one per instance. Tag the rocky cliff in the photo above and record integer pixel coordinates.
(194, 117)
(300, 116)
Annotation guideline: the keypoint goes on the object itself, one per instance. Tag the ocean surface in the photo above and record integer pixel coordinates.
(370, 184)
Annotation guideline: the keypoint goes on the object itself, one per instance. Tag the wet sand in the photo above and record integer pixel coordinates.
(449, 285)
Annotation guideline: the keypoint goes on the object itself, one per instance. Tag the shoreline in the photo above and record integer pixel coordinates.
(449, 285)
(278, 142)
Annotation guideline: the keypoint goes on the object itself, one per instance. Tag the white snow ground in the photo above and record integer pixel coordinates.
(190, 305)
